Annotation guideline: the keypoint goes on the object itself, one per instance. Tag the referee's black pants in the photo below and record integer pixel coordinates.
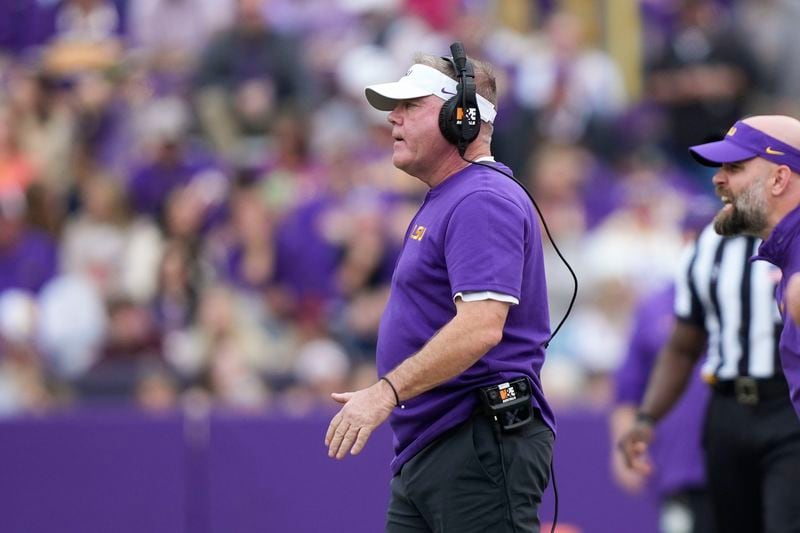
(753, 465)
(457, 485)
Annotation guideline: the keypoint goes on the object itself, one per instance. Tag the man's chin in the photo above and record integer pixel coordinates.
(731, 223)
(402, 162)
(727, 224)
(398, 161)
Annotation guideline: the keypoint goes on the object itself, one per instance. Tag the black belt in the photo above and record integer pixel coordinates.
(751, 391)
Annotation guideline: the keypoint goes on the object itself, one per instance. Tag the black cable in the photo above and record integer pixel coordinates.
(497, 435)
(549, 236)
(546, 344)
(496, 431)
(555, 493)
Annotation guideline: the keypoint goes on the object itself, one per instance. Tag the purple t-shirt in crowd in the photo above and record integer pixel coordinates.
(306, 261)
(29, 262)
(677, 451)
(782, 249)
(475, 231)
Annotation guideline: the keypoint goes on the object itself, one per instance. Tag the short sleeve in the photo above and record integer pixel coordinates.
(485, 244)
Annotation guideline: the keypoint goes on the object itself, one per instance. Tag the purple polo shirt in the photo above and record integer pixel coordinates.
(475, 231)
(782, 249)
(676, 451)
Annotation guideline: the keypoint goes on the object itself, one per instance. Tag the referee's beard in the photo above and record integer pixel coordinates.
(746, 214)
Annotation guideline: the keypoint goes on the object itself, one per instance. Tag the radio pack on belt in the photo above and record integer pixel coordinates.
(509, 403)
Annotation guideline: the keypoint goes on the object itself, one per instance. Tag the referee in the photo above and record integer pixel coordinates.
(751, 436)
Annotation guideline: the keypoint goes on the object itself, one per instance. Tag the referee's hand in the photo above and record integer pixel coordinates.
(363, 411)
(634, 444)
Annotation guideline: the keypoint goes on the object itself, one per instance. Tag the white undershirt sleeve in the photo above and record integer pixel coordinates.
(476, 296)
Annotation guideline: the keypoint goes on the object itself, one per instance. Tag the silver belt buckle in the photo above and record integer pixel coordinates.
(746, 389)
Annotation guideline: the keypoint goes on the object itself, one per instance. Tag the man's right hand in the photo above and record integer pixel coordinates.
(634, 444)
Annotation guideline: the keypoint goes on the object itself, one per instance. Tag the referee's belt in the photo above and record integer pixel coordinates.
(751, 391)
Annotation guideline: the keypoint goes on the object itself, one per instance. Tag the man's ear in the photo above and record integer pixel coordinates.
(781, 178)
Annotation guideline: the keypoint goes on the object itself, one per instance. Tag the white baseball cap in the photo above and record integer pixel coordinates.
(421, 80)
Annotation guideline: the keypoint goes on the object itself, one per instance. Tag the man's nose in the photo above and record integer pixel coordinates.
(394, 117)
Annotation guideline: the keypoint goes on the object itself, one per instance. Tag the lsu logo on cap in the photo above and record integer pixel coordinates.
(732, 131)
(418, 233)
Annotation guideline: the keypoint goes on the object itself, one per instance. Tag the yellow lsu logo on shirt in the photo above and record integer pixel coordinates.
(418, 232)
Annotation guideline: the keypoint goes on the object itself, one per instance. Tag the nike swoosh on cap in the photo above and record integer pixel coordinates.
(445, 91)
(770, 151)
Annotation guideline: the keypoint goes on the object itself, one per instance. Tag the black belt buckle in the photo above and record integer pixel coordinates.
(746, 390)
(508, 403)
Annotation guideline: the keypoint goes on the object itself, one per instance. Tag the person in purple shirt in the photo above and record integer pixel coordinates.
(467, 310)
(759, 183)
(28, 256)
(678, 478)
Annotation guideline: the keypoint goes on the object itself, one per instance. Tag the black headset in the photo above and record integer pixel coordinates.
(460, 118)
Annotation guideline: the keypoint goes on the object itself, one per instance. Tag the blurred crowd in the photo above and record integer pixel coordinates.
(197, 204)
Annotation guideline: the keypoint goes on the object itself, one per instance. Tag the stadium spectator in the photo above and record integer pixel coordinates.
(46, 126)
(246, 74)
(17, 170)
(242, 251)
(700, 78)
(567, 91)
(174, 164)
(87, 37)
(24, 382)
(106, 244)
(227, 352)
(181, 279)
(172, 33)
(28, 256)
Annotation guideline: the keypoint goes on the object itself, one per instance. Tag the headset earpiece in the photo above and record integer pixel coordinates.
(459, 118)
(447, 121)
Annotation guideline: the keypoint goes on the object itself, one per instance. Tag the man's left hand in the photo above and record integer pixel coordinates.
(363, 411)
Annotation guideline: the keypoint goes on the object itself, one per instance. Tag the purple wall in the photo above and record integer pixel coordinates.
(92, 473)
(130, 472)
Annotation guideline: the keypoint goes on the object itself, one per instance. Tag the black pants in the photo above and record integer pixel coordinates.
(456, 484)
(753, 465)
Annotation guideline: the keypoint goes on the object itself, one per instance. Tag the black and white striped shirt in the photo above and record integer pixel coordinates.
(720, 290)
